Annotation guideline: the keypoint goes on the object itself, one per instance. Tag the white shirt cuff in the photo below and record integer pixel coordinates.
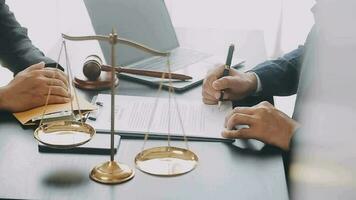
(259, 85)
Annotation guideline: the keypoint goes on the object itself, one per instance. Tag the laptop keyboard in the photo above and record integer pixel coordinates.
(180, 58)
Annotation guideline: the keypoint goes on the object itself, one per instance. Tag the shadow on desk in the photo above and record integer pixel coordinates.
(254, 148)
(65, 178)
(9, 117)
(6, 116)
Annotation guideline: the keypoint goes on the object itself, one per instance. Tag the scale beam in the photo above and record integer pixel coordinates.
(86, 38)
(117, 40)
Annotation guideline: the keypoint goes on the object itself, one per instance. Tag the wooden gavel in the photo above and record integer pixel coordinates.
(93, 66)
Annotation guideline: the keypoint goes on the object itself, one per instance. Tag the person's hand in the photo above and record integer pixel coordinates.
(237, 85)
(30, 88)
(265, 122)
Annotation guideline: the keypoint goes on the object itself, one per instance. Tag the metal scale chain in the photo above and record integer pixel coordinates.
(171, 94)
(70, 89)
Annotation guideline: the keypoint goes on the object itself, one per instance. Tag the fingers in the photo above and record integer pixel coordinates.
(55, 74)
(208, 99)
(226, 95)
(244, 110)
(239, 119)
(241, 110)
(59, 91)
(210, 95)
(216, 72)
(213, 85)
(238, 134)
(214, 75)
(265, 104)
(212, 100)
(37, 66)
(57, 99)
(55, 82)
(223, 83)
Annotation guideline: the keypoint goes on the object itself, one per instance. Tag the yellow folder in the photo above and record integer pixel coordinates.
(26, 117)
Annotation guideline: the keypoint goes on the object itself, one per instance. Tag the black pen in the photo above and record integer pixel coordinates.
(227, 69)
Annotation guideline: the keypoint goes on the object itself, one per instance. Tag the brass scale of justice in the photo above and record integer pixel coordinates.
(161, 161)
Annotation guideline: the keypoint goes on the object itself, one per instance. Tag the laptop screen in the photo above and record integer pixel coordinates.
(144, 21)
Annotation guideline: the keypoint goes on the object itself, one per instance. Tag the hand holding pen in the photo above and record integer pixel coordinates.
(227, 69)
(228, 83)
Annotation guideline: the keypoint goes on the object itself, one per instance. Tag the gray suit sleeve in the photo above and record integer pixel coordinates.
(16, 50)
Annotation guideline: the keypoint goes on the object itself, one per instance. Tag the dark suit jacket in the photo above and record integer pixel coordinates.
(16, 49)
(279, 77)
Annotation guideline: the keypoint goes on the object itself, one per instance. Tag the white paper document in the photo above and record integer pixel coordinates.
(133, 115)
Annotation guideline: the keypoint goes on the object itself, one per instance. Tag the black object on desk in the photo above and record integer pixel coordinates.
(99, 145)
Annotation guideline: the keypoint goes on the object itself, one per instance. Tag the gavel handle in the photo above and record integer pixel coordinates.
(148, 73)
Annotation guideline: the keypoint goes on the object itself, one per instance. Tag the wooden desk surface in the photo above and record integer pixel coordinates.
(224, 171)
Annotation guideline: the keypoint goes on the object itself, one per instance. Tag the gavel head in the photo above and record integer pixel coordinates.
(92, 67)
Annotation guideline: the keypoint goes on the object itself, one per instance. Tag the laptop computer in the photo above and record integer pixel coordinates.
(149, 23)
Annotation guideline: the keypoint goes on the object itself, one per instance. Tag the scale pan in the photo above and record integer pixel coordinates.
(166, 161)
(64, 134)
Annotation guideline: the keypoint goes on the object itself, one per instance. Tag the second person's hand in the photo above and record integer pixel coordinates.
(265, 123)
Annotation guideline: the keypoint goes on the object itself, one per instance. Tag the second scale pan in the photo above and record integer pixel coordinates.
(166, 161)
(64, 134)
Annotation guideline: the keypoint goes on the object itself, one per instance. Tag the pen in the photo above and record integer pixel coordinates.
(227, 69)
(238, 65)
(149, 73)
